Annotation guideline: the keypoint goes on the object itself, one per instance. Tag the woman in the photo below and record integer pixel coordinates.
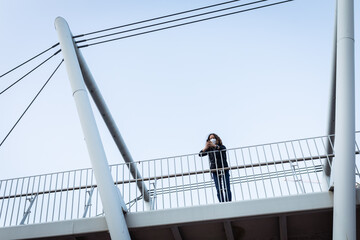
(217, 157)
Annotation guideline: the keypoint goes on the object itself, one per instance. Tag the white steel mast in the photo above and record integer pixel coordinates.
(344, 222)
(109, 195)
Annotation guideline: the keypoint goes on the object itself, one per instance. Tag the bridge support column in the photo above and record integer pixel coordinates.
(111, 125)
(344, 222)
(108, 193)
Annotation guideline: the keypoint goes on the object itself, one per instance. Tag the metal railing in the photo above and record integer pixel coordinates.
(260, 171)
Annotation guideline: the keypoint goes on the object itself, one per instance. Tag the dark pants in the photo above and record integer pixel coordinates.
(222, 185)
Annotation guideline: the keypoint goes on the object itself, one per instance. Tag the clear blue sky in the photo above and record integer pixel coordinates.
(256, 77)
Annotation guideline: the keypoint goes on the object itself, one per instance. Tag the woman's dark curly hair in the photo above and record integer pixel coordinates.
(218, 139)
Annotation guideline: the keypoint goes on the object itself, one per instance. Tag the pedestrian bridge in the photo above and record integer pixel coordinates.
(280, 191)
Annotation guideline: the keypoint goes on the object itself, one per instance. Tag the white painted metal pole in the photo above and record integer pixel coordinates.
(109, 196)
(332, 105)
(344, 222)
(110, 123)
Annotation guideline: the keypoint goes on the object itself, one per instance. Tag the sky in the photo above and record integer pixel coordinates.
(257, 77)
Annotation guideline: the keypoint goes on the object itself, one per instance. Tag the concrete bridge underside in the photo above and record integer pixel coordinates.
(307, 216)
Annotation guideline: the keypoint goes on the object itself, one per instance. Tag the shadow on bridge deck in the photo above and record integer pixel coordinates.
(307, 216)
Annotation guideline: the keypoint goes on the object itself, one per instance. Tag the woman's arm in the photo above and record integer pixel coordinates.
(202, 153)
(208, 146)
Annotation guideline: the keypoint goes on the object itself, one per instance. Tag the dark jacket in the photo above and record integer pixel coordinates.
(217, 156)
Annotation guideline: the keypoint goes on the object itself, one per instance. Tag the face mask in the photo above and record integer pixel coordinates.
(213, 140)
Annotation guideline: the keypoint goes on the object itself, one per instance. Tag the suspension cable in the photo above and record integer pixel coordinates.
(31, 103)
(55, 45)
(153, 19)
(183, 24)
(170, 21)
(29, 72)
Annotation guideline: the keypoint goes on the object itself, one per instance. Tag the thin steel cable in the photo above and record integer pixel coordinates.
(153, 19)
(183, 24)
(7, 135)
(29, 72)
(55, 45)
(169, 21)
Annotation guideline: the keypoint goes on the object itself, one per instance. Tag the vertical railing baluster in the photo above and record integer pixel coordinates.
(78, 207)
(32, 190)
(176, 185)
(130, 184)
(21, 197)
(317, 177)
(43, 197)
(2, 202)
(283, 167)
(62, 186)
(143, 184)
(152, 206)
(238, 170)
(123, 180)
(268, 170)
(86, 190)
(92, 187)
(252, 168)
(55, 194)
(182, 179)
(297, 164)
(153, 202)
(117, 178)
(73, 196)
(203, 175)
(67, 195)
(14, 202)
(191, 195)
(162, 183)
(135, 190)
(261, 173)
(246, 175)
(231, 168)
(306, 167)
(37, 198)
(97, 202)
(9, 200)
(277, 172)
(168, 172)
(97, 193)
(197, 181)
(47, 208)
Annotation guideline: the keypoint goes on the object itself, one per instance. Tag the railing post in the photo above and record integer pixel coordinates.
(88, 204)
(344, 221)
(110, 199)
(28, 211)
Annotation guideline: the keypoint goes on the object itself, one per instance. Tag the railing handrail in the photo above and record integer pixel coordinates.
(175, 175)
(176, 156)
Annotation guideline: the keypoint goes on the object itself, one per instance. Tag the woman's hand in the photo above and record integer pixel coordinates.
(211, 144)
(208, 145)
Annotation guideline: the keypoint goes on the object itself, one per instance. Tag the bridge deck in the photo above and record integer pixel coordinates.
(307, 216)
